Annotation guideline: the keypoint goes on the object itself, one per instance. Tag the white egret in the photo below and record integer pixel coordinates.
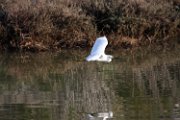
(98, 51)
(104, 115)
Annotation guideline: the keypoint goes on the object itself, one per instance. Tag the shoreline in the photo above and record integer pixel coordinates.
(43, 26)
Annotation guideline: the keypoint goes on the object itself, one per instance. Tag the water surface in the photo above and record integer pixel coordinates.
(62, 86)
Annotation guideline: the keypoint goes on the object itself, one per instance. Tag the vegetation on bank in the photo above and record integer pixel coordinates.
(54, 24)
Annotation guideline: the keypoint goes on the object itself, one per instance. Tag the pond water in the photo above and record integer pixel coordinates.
(62, 86)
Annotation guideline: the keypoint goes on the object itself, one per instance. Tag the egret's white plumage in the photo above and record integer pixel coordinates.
(98, 51)
(104, 115)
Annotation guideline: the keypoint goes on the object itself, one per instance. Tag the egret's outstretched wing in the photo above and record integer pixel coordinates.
(97, 52)
(99, 46)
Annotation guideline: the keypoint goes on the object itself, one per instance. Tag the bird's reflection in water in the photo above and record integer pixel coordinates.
(100, 116)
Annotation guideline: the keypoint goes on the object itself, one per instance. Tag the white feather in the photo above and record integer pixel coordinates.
(98, 51)
(96, 116)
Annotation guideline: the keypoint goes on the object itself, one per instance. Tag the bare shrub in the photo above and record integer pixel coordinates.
(54, 24)
(104, 13)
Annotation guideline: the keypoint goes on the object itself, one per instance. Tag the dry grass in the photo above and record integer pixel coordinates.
(53, 24)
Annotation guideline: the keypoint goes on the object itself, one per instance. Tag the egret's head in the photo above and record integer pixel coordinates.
(109, 58)
(110, 114)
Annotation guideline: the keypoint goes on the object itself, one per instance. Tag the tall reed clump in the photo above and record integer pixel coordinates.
(53, 24)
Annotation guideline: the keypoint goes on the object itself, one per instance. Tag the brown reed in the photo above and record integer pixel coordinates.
(39, 25)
